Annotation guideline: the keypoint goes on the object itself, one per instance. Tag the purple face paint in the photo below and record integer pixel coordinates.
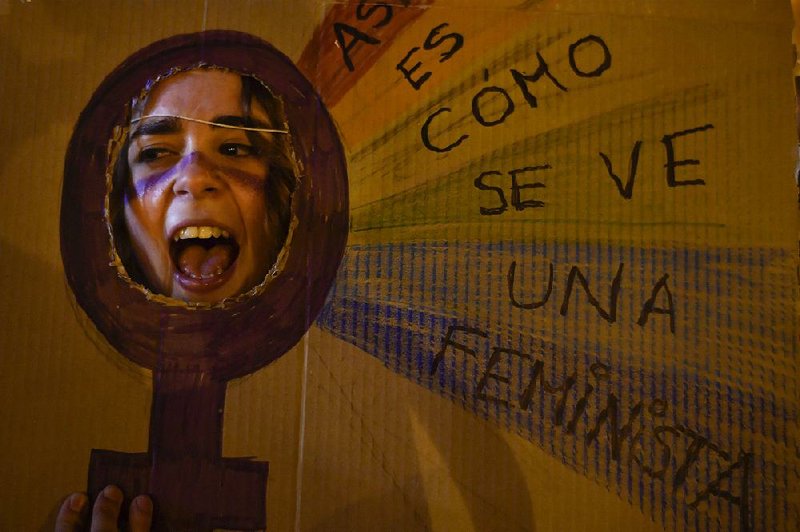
(249, 180)
(146, 185)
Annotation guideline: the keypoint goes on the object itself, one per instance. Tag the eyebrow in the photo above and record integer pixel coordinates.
(225, 121)
(156, 125)
(239, 122)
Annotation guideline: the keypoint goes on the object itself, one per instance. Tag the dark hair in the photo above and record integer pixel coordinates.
(279, 187)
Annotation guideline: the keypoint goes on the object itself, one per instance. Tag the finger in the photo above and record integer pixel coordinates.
(72, 513)
(141, 514)
(105, 513)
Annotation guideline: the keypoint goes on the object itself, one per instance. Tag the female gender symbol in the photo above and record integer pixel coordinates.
(192, 351)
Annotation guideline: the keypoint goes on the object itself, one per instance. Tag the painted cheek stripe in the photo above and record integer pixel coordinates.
(143, 186)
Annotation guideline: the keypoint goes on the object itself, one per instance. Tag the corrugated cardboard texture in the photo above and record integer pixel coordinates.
(411, 404)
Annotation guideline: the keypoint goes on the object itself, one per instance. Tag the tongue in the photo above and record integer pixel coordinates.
(197, 261)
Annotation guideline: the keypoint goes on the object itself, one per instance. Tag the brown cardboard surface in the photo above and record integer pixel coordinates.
(384, 451)
(362, 427)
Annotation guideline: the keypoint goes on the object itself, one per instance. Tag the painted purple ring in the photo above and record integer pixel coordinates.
(245, 334)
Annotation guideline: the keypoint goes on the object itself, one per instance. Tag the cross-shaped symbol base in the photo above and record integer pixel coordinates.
(190, 494)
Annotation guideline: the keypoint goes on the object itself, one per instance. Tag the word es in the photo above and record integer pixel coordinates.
(584, 405)
(432, 41)
(523, 81)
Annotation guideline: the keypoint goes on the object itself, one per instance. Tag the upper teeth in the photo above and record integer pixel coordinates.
(200, 231)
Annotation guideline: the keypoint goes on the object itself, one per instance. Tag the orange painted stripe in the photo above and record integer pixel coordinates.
(322, 60)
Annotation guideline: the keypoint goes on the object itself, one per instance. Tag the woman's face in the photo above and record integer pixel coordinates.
(195, 208)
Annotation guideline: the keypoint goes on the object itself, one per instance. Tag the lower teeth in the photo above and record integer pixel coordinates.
(205, 276)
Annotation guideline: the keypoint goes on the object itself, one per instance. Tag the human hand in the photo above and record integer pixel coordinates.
(105, 514)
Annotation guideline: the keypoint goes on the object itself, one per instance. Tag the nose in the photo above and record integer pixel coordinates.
(196, 177)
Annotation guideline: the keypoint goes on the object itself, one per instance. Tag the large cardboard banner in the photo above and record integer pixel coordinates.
(567, 298)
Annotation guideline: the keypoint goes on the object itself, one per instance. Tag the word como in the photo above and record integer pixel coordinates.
(576, 53)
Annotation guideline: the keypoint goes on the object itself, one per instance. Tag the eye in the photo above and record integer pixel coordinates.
(148, 155)
(237, 149)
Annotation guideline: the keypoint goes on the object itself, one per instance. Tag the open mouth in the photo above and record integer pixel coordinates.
(203, 253)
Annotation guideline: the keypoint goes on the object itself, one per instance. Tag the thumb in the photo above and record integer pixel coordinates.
(72, 514)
